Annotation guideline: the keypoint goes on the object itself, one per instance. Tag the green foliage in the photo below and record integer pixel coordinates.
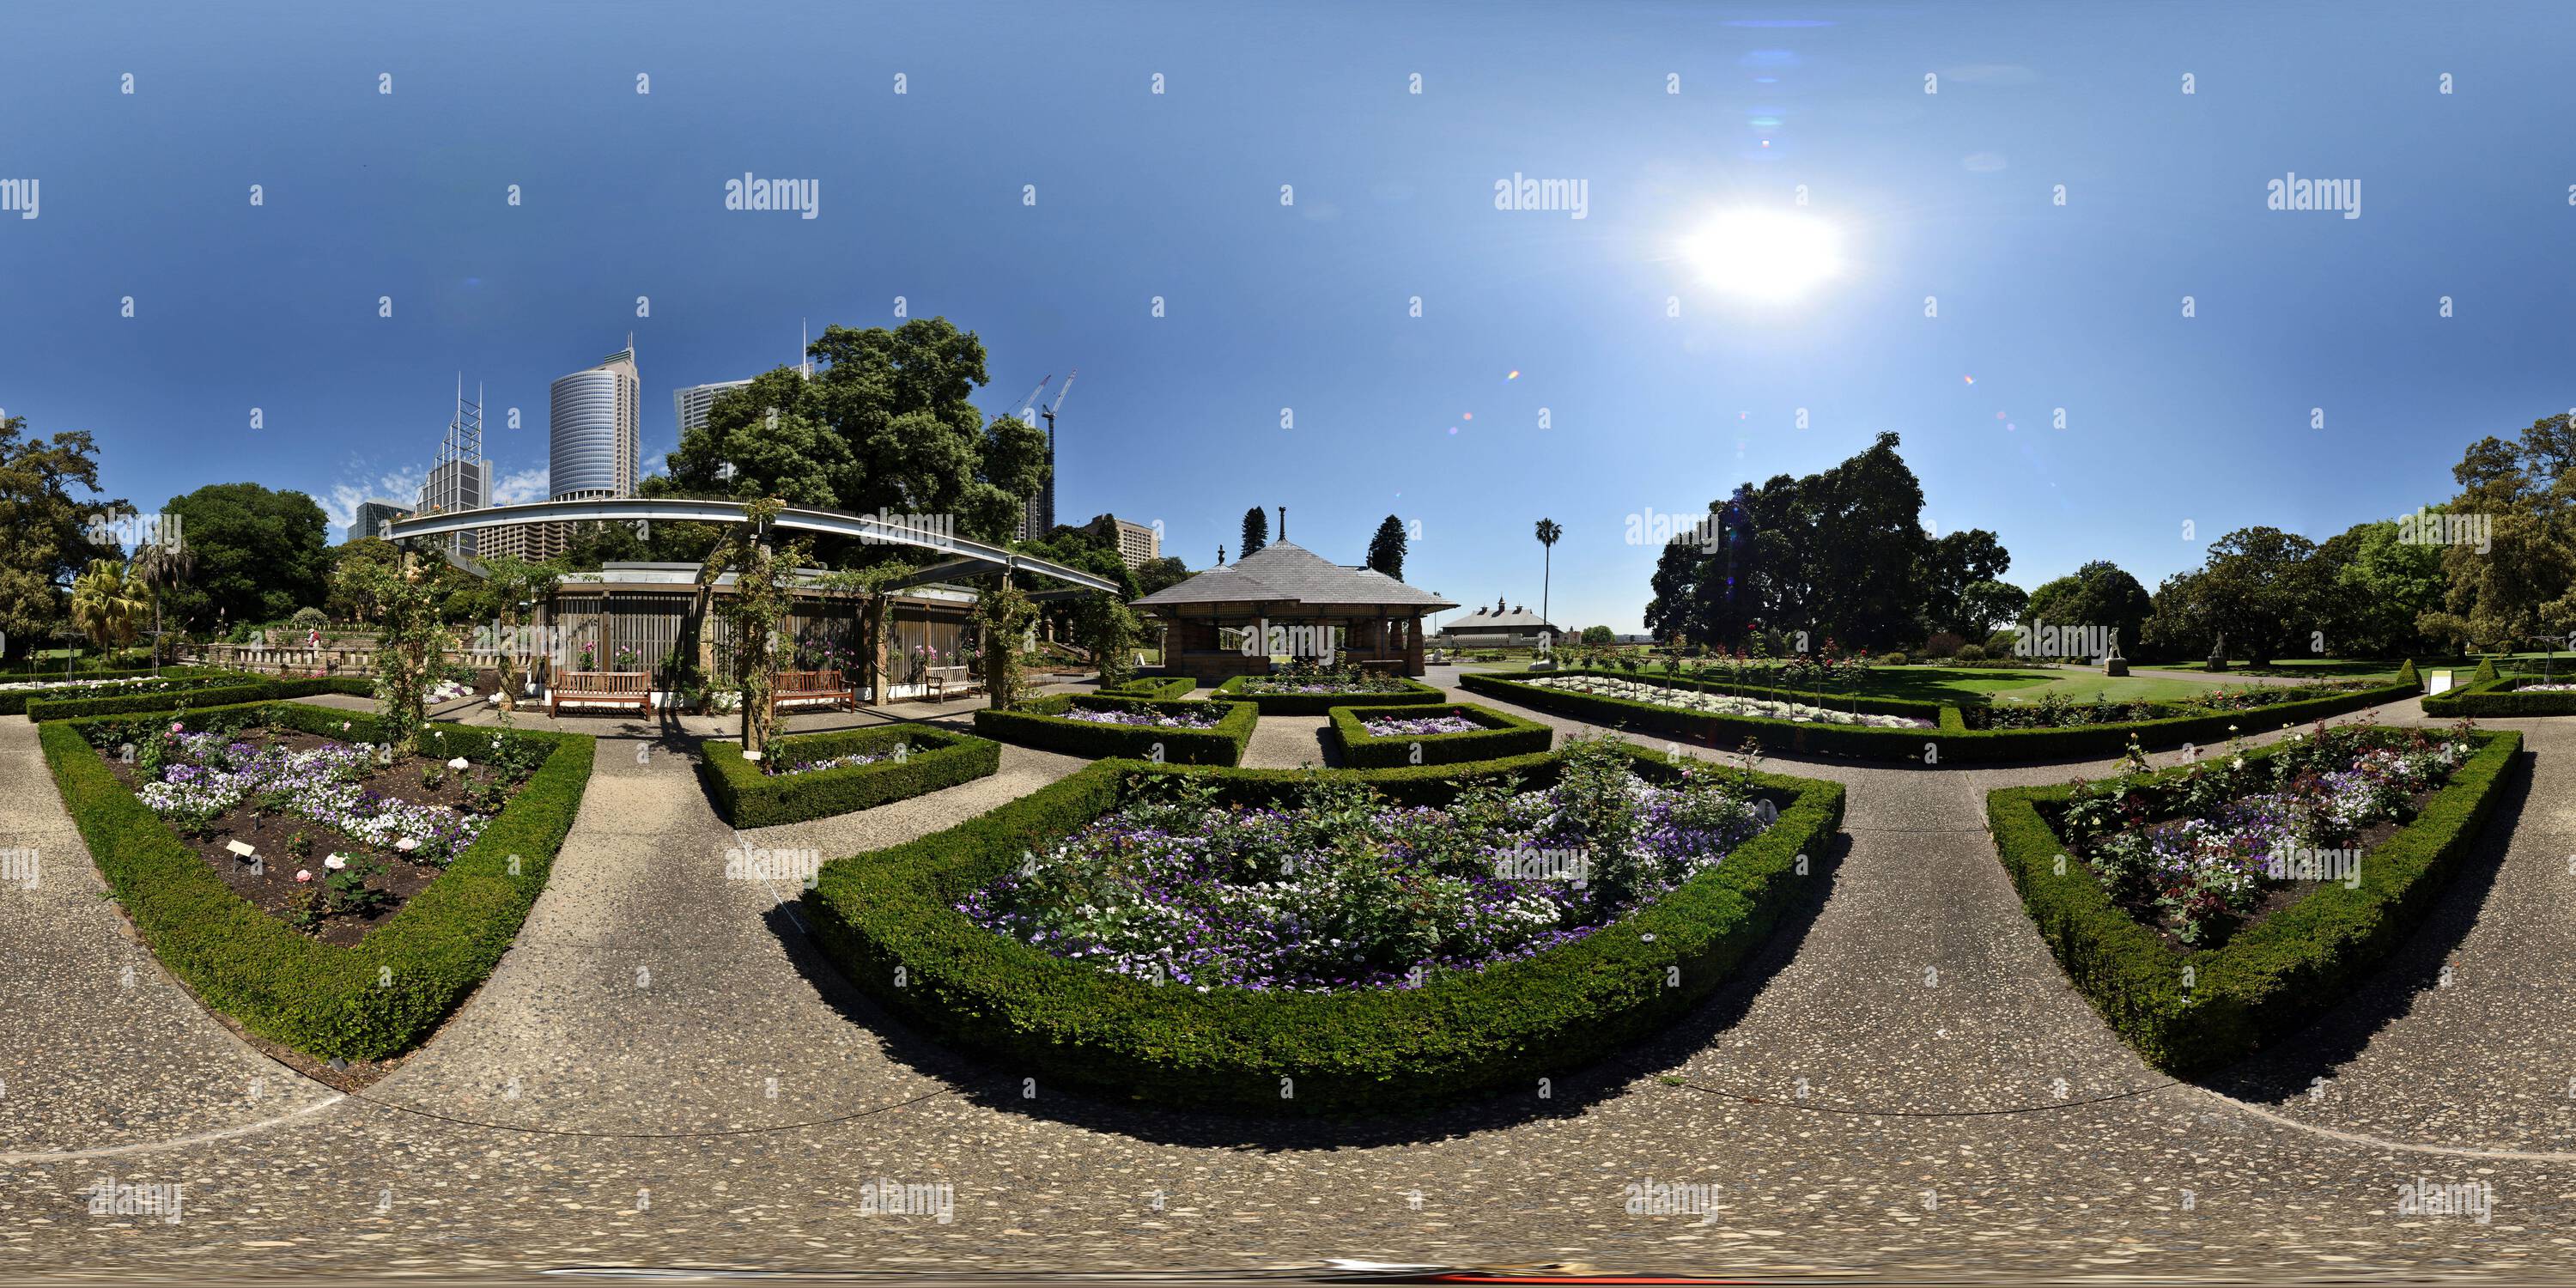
(2097, 594)
(46, 537)
(1503, 735)
(1459, 1035)
(2407, 675)
(2495, 697)
(260, 554)
(1601, 636)
(1413, 693)
(1171, 686)
(2273, 977)
(1110, 631)
(106, 606)
(1386, 548)
(246, 689)
(744, 796)
(1041, 724)
(1256, 531)
(370, 1000)
(760, 601)
(1001, 616)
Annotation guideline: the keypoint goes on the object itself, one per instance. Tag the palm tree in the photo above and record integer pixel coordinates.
(160, 566)
(106, 606)
(1548, 532)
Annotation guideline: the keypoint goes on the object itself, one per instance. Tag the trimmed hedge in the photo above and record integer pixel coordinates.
(2271, 978)
(373, 999)
(1502, 735)
(2498, 698)
(244, 688)
(745, 797)
(1950, 743)
(1154, 686)
(1414, 693)
(1459, 1035)
(1040, 723)
(15, 703)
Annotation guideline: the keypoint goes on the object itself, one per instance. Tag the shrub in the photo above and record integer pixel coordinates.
(1972, 653)
(1163, 686)
(216, 688)
(373, 999)
(2486, 671)
(1459, 1035)
(2406, 674)
(1942, 644)
(1502, 735)
(745, 796)
(15, 702)
(1041, 724)
(308, 619)
(1316, 704)
(2498, 699)
(1892, 659)
(2269, 979)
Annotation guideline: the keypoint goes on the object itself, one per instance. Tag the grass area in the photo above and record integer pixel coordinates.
(2084, 686)
(2341, 668)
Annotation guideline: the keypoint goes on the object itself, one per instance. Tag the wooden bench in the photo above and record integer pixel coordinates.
(813, 686)
(602, 688)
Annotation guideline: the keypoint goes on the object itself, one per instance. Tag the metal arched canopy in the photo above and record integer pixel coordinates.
(964, 557)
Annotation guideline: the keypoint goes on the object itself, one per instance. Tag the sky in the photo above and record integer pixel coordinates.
(1311, 197)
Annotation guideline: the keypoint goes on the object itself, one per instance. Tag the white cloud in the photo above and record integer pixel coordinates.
(401, 486)
(526, 485)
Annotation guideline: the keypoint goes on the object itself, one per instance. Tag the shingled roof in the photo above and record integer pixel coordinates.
(1291, 575)
(1520, 618)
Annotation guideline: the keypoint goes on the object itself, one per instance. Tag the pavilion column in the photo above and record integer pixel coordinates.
(872, 628)
(1413, 645)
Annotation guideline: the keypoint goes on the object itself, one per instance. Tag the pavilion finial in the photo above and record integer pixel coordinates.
(1283, 523)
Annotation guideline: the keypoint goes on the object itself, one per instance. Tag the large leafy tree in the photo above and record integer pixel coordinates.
(2260, 589)
(1951, 566)
(888, 423)
(260, 554)
(1160, 574)
(2522, 586)
(2099, 594)
(2378, 588)
(49, 510)
(1386, 549)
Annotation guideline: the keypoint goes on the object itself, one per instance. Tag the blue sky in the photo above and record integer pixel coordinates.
(1307, 307)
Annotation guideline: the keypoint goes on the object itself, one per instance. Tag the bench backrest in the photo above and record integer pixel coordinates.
(827, 680)
(605, 682)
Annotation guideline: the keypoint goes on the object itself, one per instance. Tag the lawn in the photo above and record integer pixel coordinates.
(2341, 668)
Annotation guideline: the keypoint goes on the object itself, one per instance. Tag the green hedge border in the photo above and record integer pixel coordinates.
(1503, 735)
(1039, 723)
(1154, 686)
(252, 688)
(2274, 977)
(2497, 698)
(1952, 743)
(326, 999)
(745, 797)
(1414, 694)
(1461, 1035)
(16, 703)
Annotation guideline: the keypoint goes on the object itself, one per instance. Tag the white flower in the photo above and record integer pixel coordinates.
(336, 862)
(406, 845)
(458, 763)
(2238, 763)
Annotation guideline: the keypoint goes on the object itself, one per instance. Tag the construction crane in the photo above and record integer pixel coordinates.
(1060, 391)
(1028, 405)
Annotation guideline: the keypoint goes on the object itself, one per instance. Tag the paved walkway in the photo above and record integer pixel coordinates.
(1964, 1113)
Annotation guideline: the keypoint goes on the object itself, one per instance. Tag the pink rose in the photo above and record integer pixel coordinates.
(304, 874)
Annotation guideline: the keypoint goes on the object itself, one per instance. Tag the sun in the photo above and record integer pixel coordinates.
(1764, 254)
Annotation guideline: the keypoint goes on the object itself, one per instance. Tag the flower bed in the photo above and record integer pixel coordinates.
(1047, 723)
(2497, 698)
(16, 694)
(817, 775)
(892, 919)
(1417, 726)
(1715, 702)
(214, 688)
(1292, 695)
(389, 989)
(1952, 743)
(2116, 875)
(1486, 734)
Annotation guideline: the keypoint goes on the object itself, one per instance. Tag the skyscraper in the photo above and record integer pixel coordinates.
(593, 430)
(459, 479)
(369, 515)
(692, 403)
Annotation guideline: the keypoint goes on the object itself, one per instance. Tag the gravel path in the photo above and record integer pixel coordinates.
(1901, 1084)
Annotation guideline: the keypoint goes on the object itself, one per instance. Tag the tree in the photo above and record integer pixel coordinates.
(1984, 605)
(759, 602)
(2381, 588)
(260, 554)
(2517, 581)
(1110, 631)
(161, 565)
(515, 582)
(2099, 595)
(1951, 565)
(355, 578)
(1548, 535)
(106, 606)
(2263, 590)
(887, 424)
(1386, 550)
(1599, 635)
(1160, 574)
(1256, 531)
(52, 524)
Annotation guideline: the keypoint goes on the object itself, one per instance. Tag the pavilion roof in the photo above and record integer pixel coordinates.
(1290, 576)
